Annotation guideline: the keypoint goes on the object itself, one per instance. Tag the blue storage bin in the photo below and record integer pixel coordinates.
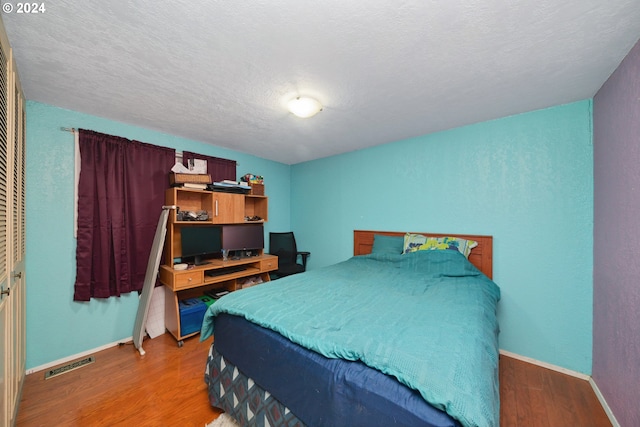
(191, 315)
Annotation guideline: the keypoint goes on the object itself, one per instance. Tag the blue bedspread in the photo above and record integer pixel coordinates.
(427, 318)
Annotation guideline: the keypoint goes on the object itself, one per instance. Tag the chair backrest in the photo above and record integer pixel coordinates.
(284, 246)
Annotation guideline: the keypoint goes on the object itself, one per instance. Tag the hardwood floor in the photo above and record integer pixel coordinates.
(532, 396)
(166, 388)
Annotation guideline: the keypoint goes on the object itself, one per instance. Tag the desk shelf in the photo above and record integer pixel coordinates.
(194, 282)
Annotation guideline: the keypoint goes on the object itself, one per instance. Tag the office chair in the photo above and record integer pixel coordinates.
(284, 246)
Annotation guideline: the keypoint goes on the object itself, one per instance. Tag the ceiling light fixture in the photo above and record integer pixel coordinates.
(304, 106)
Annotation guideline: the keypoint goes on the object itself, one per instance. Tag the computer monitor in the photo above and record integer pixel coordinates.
(244, 237)
(201, 241)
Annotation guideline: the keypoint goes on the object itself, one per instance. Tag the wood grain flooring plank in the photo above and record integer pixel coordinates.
(166, 388)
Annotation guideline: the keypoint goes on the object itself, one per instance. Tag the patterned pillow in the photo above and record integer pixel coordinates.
(418, 242)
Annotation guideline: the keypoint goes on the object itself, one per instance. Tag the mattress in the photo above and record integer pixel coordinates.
(321, 392)
(424, 320)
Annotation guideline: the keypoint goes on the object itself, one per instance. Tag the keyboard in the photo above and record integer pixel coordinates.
(225, 270)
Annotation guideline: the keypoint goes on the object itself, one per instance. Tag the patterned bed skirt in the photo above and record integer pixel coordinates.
(238, 395)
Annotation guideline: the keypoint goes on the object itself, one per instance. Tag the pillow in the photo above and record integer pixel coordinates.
(387, 244)
(418, 242)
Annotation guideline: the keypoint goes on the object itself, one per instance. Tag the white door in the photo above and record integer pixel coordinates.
(12, 236)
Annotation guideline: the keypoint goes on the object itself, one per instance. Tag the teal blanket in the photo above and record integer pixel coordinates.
(427, 318)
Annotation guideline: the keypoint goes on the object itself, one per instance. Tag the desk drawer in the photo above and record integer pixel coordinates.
(188, 279)
(269, 265)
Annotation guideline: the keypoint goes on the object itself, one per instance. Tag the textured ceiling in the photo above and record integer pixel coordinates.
(221, 72)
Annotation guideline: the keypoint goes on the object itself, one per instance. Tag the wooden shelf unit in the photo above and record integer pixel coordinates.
(256, 206)
(195, 282)
(222, 208)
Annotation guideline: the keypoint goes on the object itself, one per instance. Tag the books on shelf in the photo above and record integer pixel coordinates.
(195, 185)
(232, 184)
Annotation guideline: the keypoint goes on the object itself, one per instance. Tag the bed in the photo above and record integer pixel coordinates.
(382, 338)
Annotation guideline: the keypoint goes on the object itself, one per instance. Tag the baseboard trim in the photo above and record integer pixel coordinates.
(76, 356)
(576, 374)
(603, 402)
(546, 365)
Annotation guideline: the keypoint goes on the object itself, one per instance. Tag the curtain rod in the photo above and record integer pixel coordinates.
(74, 130)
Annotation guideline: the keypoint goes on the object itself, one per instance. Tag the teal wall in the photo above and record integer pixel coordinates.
(58, 327)
(525, 179)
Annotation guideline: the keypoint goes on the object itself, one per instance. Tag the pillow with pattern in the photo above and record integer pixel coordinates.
(418, 242)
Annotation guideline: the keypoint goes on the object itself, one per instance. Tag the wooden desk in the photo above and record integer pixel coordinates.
(195, 281)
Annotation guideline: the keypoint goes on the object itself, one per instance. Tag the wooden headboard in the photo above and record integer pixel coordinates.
(481, 256)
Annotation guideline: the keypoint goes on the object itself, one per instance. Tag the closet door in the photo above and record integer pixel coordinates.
(17, 320)
(12, 235)
(5, 335)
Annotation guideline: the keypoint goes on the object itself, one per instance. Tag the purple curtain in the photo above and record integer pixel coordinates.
(218, 168)
(120, 197)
